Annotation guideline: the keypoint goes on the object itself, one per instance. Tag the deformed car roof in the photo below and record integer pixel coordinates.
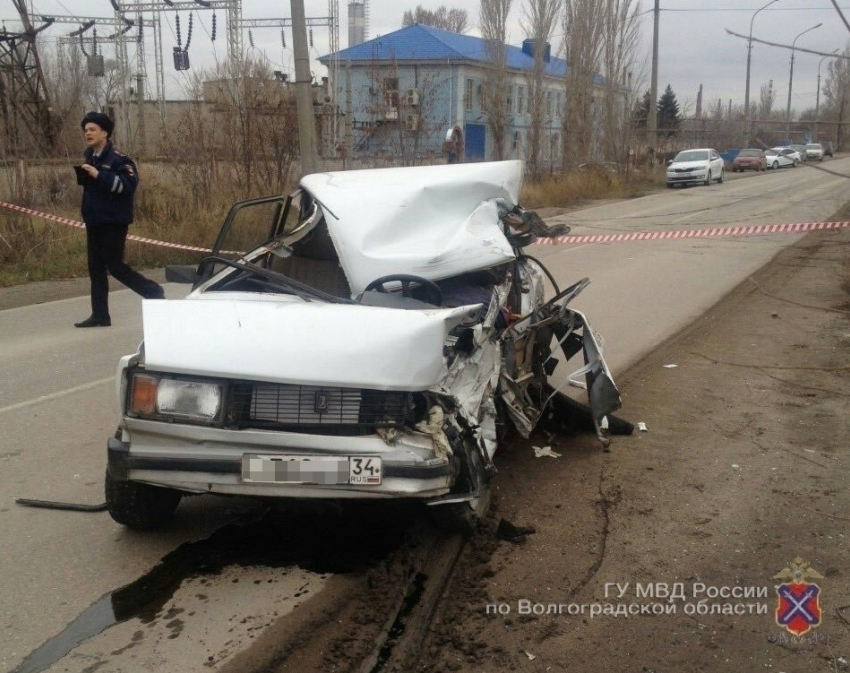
(430, 221)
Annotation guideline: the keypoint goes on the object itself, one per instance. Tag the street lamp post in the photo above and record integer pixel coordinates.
(749, 58)
(817, 97)
(791, 80)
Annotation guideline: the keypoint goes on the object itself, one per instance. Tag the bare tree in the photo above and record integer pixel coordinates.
(454, 20)
(767, 98)
(620, 44)
(65, 75)
(243, 117)
(582, 25)
(539, 20)
(493, 18)
(836, 93)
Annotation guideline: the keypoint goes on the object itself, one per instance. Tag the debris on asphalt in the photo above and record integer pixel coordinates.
(642, 426)
(511, 533)
(539, 452)
(670, 366)
(530, 656)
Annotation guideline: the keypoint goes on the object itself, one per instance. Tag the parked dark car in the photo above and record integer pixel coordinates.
(749, 159)
(827, 147)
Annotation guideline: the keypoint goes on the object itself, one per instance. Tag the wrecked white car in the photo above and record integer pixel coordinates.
(370, 336)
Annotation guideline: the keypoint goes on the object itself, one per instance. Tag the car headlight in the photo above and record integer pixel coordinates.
(152, 395)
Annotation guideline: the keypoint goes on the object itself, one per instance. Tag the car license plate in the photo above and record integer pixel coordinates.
(359, 470)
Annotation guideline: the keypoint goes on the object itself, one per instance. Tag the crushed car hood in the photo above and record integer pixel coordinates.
(290, 341)
(430, 221)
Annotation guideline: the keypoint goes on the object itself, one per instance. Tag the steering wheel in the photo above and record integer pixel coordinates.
(432, 293)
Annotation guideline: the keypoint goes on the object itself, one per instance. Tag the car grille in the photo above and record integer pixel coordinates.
(295, 406)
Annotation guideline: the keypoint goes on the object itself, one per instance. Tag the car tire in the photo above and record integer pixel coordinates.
(775, 165)
(670, 185)
(465, 517)
(708, 177)
(795, 164)
(720, 179)
(139, 506)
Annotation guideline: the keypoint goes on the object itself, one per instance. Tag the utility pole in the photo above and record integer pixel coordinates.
(303, 94)
(747, 90)
(652, 118)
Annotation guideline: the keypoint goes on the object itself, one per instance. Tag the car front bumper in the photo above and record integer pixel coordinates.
(686, 178)
(198, 459)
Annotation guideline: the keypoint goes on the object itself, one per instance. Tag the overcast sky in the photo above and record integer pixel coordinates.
(694, 46)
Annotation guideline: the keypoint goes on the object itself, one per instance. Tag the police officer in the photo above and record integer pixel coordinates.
(109, 181)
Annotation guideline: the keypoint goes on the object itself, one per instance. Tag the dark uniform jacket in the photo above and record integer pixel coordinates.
(108, 199)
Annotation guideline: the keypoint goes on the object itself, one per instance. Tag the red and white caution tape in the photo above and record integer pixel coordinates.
(79, 225)
(752, 230)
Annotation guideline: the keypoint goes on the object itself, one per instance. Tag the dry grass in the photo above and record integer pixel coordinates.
(187, 204)
(583, 185)
(166, 209)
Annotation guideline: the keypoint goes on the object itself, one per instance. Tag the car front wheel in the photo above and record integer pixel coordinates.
(707, 177)
(720, 179)
(139, 506)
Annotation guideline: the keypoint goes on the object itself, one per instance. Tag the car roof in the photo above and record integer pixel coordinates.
(430, 221)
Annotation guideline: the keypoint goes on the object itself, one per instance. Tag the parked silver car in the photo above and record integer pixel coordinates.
(814, 151)
(373, 341)
(692, 167)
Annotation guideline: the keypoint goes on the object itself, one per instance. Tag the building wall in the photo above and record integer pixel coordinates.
(407, 109)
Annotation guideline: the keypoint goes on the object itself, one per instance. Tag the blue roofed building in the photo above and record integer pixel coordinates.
(418, 91)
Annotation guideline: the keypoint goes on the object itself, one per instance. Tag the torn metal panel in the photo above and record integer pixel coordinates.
(435, 224)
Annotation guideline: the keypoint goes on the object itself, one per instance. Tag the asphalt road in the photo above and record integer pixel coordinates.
(58, 402)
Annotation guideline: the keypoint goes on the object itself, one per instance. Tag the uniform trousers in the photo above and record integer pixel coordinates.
(105, 244)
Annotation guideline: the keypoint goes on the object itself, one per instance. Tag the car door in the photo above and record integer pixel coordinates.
(716, 164)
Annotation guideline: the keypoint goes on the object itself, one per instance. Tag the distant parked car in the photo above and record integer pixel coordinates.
(801, 150)
(827, 147)
(749, 159)
(791, 153)
(691, 167)
(814, 151)
(780, 158)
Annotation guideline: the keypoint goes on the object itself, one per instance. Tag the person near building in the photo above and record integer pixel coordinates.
(109, 180)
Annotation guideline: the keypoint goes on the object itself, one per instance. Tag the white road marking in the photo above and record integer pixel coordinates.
(57, 394)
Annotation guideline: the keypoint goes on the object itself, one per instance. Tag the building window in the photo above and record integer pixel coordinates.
(509, 100)
(467, 96)
(549, 104)
(520, 95)
(390, 85)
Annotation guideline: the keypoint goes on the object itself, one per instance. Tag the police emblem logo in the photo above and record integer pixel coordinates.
(798, 608)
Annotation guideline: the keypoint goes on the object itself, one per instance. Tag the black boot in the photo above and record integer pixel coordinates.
(94, 322)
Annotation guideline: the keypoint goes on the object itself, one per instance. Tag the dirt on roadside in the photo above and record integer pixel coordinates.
(742, 472)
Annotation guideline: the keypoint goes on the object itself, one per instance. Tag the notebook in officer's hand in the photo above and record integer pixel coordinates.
(83, 178)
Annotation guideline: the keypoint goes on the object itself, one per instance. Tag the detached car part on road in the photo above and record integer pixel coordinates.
(380, 332)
